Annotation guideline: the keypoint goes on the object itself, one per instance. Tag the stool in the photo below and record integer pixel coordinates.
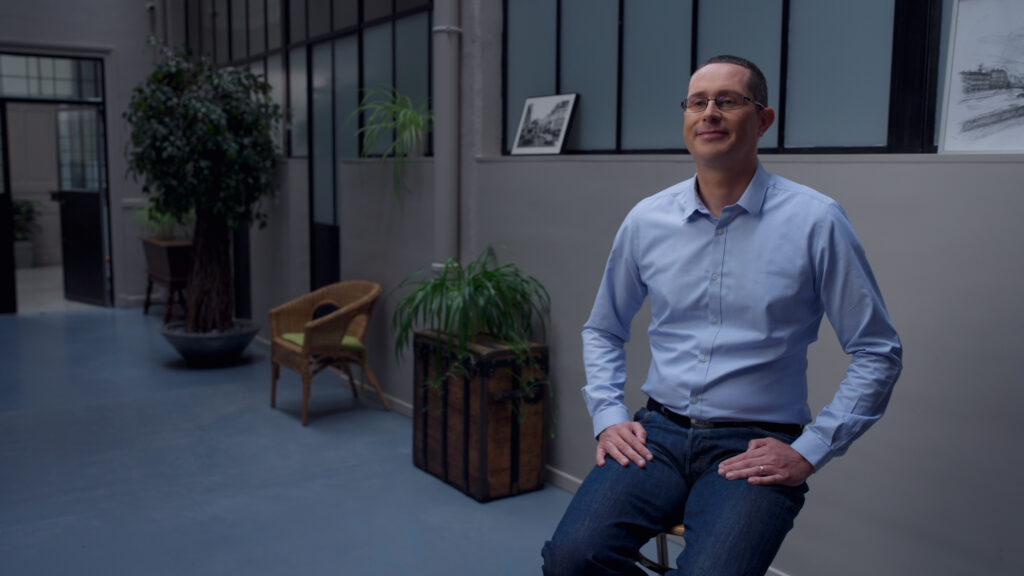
(661, 566)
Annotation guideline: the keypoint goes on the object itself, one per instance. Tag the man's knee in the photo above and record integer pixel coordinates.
(571, 556)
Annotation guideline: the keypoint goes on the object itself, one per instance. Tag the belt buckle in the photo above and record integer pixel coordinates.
(701, 423)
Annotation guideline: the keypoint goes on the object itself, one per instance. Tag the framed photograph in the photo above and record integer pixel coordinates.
(984, 97)
(544, 124)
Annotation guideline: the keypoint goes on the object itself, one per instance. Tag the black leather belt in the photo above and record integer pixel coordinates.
(687, 422)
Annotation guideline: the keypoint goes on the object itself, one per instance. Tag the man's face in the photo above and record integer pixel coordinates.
(725, 139)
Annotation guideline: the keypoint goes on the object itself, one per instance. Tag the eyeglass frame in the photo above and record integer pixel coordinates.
(719, 105)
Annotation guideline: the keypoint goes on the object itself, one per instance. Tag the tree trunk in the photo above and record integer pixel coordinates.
(210, 304)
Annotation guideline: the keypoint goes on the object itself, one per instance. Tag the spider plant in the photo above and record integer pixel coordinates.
(388, 113)
(463, 303)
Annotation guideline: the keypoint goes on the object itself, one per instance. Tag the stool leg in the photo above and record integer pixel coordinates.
(663, 549)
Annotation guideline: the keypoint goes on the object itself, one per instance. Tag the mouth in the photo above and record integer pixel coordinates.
(711, 134)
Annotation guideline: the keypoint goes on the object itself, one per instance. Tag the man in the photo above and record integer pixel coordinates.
(739, 266)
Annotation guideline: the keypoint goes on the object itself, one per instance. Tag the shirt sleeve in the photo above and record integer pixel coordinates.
(854, 305)
(606, 332)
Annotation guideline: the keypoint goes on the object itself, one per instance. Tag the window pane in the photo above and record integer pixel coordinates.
(193, 8)
(940, 101)
(590, 52)
(206, 26)
(412, 51)
(757, 37)
(655, 72)
(373, 9)
(239, 30)
(530, 70)
(838, 96)
(220, 28)
(346, 13)
(273, 24)
(346, 95)
(377, 67)
(401, 5)
(276, 79)
(257, 27)
(297, 91)
(297, 21)
(319, 17)
(322, 125)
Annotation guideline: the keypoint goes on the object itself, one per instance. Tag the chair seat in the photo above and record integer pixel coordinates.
(348, 343)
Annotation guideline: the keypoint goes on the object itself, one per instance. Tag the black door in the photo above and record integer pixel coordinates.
(82, 197)
(81, 230)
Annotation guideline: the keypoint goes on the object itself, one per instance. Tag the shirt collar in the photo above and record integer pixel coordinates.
(752, 199)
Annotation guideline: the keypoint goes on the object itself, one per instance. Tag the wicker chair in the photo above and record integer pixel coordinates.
(323, 329)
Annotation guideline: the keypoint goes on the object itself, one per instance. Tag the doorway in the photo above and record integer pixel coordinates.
(54, 173)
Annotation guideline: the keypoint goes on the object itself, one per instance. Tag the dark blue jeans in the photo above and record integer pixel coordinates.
(732, 527)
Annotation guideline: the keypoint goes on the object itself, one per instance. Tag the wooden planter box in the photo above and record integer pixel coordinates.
(467, 431)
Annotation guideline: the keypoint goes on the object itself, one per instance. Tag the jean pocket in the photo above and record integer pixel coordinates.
(642, 415)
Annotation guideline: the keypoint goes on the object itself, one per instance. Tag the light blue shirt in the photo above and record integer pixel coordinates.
(735, 302)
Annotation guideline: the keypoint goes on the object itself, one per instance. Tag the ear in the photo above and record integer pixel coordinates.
(765, 120)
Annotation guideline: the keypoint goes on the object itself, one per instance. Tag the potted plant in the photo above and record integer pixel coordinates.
(167, 246)
(26, 212)
(201, 142)
(388, 113)
(479, 380)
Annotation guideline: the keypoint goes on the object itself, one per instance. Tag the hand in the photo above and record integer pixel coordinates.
(625, 442)
(782, 464)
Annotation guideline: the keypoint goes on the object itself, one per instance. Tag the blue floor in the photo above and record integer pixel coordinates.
(115, 458)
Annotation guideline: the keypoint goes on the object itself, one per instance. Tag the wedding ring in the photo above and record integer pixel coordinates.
(762, 469)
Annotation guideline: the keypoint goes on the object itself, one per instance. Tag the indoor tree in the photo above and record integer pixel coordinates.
(202, 143)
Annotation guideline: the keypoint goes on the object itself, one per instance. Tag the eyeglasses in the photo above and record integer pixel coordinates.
(724, 102)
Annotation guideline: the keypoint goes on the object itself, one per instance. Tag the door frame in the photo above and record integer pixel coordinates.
(8, 278)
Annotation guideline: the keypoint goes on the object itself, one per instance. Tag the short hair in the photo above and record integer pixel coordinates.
(756, 82)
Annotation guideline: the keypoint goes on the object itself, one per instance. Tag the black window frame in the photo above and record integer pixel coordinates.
(913, 87)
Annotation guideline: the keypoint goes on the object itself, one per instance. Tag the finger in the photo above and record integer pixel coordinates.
(600, 455)
(637, 440)
(623, 455)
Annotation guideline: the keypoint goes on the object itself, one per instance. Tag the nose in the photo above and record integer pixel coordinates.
(712, 111)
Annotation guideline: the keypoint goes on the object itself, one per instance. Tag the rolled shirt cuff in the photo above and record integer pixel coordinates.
(813, 449)
(609, 417)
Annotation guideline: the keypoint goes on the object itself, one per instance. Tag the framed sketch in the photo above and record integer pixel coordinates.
(544, 124)
(984, 96)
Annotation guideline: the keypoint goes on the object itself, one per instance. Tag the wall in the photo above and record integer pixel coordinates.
(932, 488)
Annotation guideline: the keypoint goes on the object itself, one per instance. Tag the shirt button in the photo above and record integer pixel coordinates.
(703, 358)
(714, 319)
(719, 232)
(714, 276)
(694, 399)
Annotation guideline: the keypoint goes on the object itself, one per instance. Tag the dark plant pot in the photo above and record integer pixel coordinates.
(210, 349)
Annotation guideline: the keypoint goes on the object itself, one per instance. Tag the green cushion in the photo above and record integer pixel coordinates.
(347, 342)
